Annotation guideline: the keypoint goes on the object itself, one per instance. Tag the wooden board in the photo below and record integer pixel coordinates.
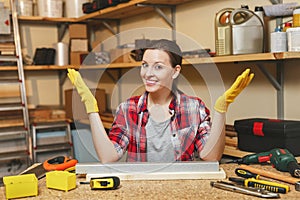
(153, 171)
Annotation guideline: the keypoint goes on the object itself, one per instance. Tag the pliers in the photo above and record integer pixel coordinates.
(258, 192)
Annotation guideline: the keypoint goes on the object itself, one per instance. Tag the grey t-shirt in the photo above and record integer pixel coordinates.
(159, 144)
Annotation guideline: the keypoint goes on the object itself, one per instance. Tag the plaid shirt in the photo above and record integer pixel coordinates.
(189, 124)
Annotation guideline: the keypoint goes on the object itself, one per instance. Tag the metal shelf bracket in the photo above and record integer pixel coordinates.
(171, 21)
(278, 83)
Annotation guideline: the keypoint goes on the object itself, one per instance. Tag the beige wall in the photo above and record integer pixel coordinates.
(194, 22)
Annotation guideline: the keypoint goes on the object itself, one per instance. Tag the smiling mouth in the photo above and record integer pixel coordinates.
(150, 82)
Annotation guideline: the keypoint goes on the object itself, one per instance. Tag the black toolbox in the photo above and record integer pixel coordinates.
(259, 135)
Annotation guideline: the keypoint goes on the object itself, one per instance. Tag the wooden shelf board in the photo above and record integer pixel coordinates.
(119, 11)
(187, 61)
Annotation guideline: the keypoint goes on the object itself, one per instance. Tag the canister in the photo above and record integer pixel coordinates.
(73, 8)
(293, 35)
(223, 38)
(247, 32)
(50, 8)
(278, 41)
(25, 7)
(62, 54)
(296, 17)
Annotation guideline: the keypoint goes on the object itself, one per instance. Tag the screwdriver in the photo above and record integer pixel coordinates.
(245, 173)
(267, 185)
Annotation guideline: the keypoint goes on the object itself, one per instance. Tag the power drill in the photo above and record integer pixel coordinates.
(281, 159)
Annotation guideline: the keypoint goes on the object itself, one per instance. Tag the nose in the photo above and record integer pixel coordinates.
(149, 71)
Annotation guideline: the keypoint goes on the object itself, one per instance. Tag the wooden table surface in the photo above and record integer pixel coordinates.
(162, 189)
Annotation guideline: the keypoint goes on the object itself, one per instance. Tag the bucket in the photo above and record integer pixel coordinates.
(247, 32)
(223, 41)
(25, 8)
(50, 8)
(74, 8)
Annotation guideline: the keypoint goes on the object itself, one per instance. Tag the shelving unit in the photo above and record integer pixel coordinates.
(14, 138)
(136, 7)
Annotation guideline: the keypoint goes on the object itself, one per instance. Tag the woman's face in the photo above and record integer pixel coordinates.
(156, 70)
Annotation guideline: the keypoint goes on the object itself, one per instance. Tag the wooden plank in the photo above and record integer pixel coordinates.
(153, 171)
(235, 152)
(231, 141)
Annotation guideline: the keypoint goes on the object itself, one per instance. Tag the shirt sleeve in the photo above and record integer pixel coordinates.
(118, 132)
(203, 128)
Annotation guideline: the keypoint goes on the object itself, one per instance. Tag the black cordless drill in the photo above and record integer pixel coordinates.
(281, 159)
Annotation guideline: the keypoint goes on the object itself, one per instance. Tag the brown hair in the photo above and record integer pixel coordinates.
(171, 48)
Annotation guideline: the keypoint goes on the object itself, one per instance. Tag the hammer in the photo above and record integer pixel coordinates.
(273, 175)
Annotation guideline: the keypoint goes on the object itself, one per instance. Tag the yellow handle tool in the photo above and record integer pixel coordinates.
(105, 183)
(267, 185)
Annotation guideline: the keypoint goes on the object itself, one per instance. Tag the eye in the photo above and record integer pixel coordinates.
(144, 65)
(158, 67)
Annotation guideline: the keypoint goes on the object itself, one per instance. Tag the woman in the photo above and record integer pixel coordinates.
(163, 124)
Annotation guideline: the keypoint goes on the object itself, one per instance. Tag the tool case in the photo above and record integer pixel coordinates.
(95, 5)
(260, 134)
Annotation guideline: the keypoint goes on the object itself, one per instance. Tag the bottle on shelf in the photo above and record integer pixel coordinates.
(287, 25)
(278, 40)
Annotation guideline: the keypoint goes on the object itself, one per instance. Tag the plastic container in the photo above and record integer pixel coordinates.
(25, 8)
(74, 8)
(262, 134)
(223, 40)
(259, 11)
(247, 32)
(61, 180)
(20, 186)
(296, 17)
(287, 25)
(293, 35)
(50, 8)
(278, 41)
(61, 53)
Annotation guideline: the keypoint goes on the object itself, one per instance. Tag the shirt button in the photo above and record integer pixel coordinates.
(174, 135)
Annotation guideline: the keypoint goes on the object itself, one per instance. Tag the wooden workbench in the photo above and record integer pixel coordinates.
(164, 189)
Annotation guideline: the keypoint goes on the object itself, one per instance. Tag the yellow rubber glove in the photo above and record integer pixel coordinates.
(86, 95)
(228, 97)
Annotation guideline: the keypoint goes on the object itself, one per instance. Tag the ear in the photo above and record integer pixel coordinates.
(177, 71)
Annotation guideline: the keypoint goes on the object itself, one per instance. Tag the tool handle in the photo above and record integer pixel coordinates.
(268, 185)
(272, 175)
(294, 169)
(245, 173)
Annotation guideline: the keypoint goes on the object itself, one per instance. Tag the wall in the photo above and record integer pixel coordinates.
(194, 22)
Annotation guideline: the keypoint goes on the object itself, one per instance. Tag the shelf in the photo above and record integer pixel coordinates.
(120, 11)
(188, 61)
(245, 58)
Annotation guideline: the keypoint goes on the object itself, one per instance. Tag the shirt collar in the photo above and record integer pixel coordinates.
(142, 103)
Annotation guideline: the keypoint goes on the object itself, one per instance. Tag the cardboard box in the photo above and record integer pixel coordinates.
(77, 31)
(259, 135)
(121, 55)
(77, 58)
(78, 45)
(75, 108)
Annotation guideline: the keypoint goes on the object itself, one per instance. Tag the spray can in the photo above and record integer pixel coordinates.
(223, 33)
(278, 41)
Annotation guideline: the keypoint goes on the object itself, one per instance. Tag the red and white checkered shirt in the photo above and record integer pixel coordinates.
(189, 124)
